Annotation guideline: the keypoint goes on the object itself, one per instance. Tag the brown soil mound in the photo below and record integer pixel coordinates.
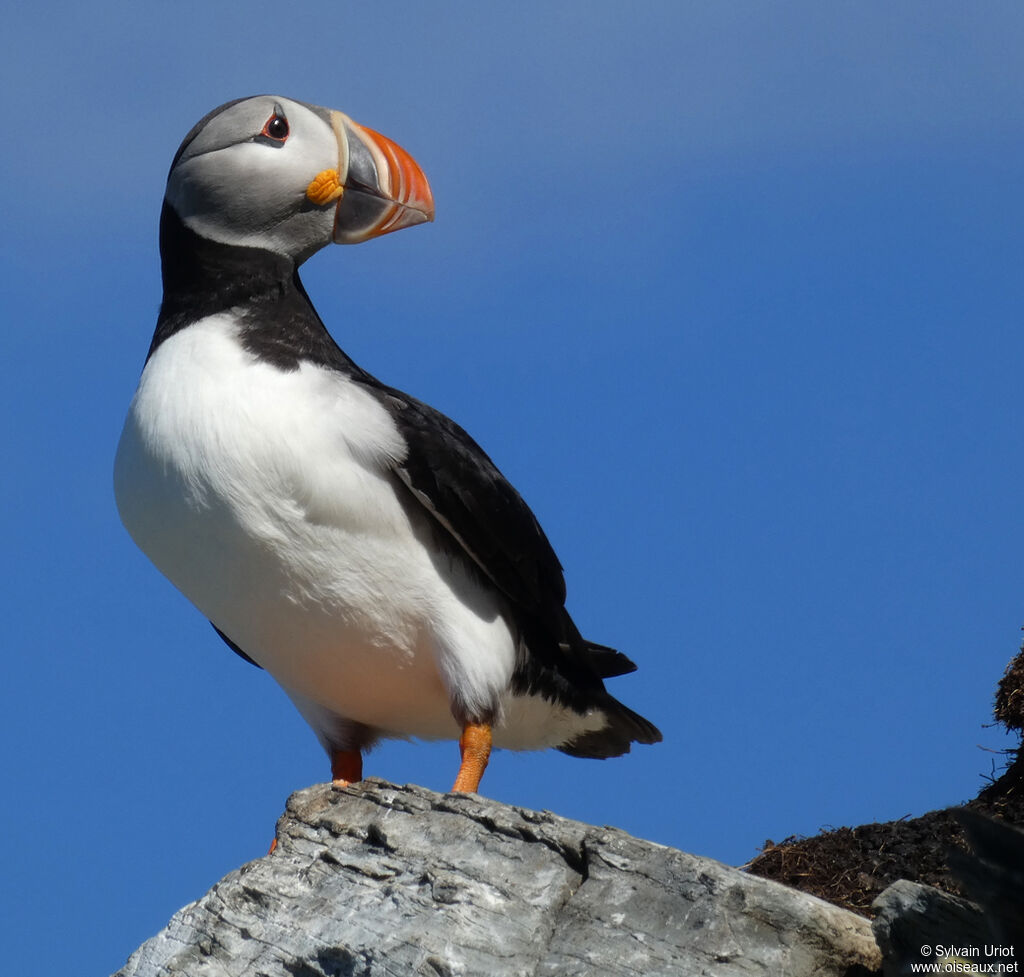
(851, 866)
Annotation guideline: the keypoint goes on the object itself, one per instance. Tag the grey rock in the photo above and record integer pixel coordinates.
(376, 880)
(913, 920)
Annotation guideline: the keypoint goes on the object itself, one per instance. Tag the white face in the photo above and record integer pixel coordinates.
(242, 179)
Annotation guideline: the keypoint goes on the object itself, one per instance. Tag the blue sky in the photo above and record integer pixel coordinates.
(730, 291)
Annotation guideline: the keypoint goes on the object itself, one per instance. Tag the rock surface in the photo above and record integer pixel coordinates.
(383, 880)
(910, 916)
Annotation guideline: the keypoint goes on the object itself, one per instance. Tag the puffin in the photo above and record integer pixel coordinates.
(344, 536)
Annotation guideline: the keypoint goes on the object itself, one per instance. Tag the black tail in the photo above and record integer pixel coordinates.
(607, 662)
(624, 728)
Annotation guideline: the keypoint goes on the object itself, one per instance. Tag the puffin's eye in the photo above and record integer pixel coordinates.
(276, 128)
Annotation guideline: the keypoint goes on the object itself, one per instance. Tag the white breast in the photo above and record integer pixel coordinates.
(266, 497)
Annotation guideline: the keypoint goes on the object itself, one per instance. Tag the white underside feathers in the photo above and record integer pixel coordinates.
(268, 498)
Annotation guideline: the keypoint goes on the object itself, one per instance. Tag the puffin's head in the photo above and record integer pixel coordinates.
(268, 172)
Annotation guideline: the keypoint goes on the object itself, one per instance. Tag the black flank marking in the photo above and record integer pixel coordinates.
(238, 651)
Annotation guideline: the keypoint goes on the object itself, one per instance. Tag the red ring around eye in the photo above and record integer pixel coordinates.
(276, 128)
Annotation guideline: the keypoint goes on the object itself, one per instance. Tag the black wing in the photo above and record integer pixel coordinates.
(459, 485)
(455, 481)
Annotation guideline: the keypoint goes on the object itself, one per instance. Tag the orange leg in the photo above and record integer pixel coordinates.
(346, 767)
(475, 747)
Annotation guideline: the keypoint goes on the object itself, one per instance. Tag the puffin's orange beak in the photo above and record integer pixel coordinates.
(378, 186)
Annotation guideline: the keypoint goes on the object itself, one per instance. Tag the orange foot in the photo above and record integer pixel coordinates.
(346, 767)
(475, 747)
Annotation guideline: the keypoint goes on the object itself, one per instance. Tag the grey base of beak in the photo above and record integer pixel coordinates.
(357, 212)
(385, 190)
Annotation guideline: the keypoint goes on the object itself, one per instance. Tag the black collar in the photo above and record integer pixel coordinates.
(276, 318)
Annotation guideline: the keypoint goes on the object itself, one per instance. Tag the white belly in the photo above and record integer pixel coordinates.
(266, 497)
